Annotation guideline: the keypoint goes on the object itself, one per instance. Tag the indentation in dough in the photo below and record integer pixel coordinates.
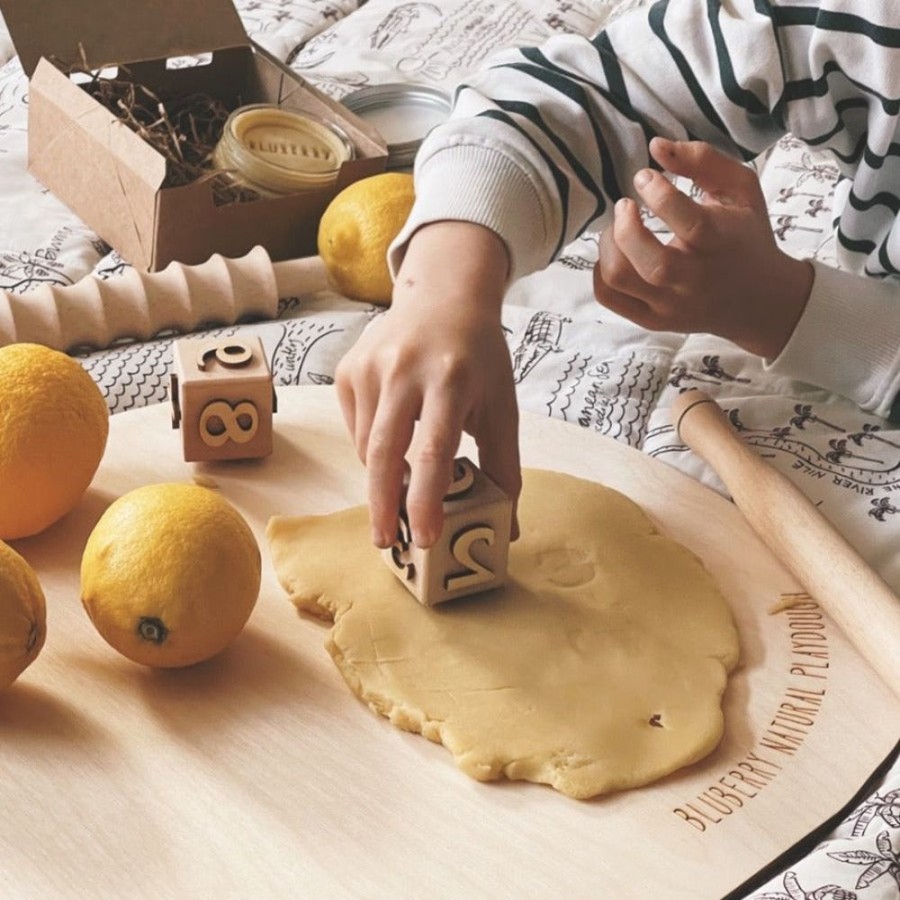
(566, 567)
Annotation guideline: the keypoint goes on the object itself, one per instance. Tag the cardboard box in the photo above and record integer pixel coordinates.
(111, 178)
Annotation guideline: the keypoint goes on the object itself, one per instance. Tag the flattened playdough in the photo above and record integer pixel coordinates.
(599, 666)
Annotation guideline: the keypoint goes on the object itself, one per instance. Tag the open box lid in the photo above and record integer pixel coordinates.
(101, 33)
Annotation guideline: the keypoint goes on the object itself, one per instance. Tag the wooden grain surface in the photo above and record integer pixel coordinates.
(259, 775)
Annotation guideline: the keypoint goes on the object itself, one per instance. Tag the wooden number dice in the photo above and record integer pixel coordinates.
(222, 398)
(472, 552)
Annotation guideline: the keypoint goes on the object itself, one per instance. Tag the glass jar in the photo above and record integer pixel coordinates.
(277, 151)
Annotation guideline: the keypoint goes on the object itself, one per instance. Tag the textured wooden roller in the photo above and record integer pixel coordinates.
(136, 305)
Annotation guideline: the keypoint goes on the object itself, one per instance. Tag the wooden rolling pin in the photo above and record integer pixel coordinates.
(96, 312)
(819, 557)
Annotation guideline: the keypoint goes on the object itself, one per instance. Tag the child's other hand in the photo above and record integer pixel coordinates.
(437, 364)
(722, 273)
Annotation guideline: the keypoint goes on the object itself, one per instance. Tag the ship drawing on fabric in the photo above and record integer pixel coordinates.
(542, 336)
(399, 21)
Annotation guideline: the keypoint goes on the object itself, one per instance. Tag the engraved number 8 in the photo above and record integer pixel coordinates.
(221, 422)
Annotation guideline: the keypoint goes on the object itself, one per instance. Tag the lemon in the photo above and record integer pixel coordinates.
(170, 574)
(23, 615)
(53, 429)
(355, 231)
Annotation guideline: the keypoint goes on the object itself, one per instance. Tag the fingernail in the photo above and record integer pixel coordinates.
(381, 540)
(642, 178)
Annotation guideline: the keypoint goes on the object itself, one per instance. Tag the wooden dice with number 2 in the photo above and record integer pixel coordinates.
(222, 398)
(472, 552)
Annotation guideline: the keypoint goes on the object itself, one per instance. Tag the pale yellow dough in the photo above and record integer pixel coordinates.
(600, 665)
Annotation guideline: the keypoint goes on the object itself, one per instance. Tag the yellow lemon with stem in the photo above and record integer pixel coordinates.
(170, 574)
(23, 615)
(53, 429)
(356, 229)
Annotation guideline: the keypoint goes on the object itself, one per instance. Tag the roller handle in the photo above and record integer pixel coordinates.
(96, 313)
(855, 597)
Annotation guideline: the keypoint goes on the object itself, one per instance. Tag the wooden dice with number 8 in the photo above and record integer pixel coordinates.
(222, 398)
(471, 554)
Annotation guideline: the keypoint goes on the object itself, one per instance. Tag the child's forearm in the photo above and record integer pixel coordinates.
(454, 262)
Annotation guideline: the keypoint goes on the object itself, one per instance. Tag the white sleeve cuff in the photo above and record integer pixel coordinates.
(848, 339)
(474, 182)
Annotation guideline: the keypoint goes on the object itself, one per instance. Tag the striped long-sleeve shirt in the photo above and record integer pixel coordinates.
(544, 140)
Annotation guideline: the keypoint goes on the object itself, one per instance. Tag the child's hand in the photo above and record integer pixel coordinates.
(436, 362)
(722, 273)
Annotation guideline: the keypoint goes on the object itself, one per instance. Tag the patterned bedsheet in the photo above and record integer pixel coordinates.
(573, 359)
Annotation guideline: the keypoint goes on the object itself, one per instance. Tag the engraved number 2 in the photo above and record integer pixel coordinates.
(221, 422)
(461, 548)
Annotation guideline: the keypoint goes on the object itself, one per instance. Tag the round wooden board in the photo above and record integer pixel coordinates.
(259, 774)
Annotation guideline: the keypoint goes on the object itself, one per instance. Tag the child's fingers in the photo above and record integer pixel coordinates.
(388, 439)
(612, 274)
(686, 219)
(648, 262)
(431, 463)
(347, 400)
(717, 174)
(498, 454)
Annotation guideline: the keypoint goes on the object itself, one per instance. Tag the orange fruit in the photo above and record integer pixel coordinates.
(170, 574)
(355, 231)
(23, 614)
(53, 429)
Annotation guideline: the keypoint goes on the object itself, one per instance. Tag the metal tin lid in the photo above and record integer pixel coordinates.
(402, 114)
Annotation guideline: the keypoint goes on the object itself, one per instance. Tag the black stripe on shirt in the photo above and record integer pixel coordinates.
(532, 114)
(738, 95)
(656, 20)
(827, 20)
(804, 88)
